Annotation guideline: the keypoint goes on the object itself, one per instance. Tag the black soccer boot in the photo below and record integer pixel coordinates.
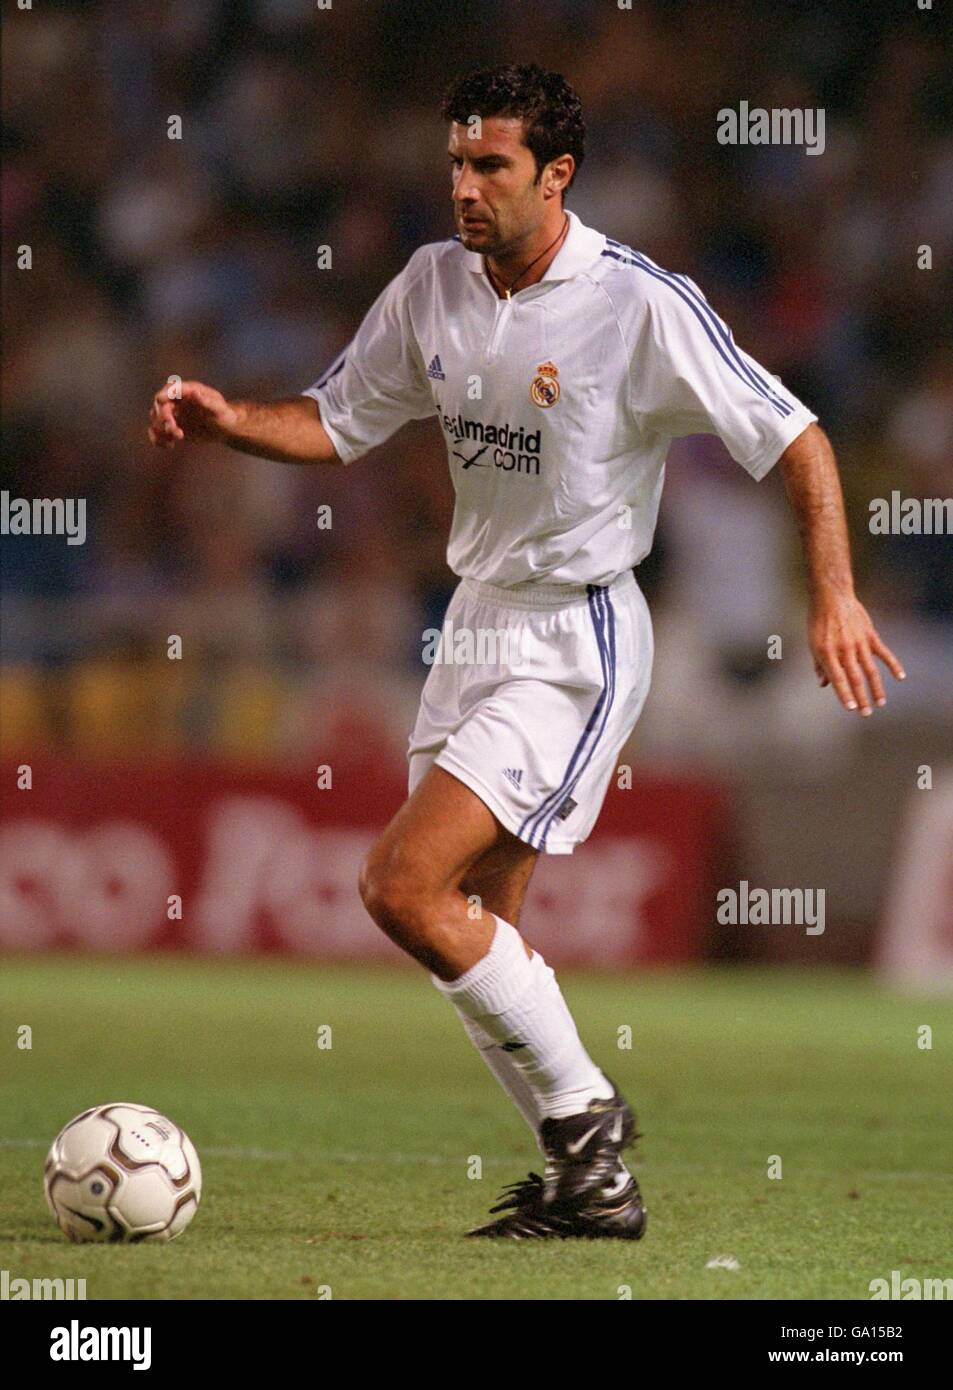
(615, 1212)
(526, 1217)
(583, 1151)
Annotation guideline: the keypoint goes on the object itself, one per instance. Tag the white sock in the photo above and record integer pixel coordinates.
(505, 1070)
(515, 999)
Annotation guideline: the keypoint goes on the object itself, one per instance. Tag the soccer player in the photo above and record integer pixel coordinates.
(559, 365)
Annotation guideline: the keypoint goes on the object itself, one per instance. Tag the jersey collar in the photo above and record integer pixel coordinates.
(581, 249)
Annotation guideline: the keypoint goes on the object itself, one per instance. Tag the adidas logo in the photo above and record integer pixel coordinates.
(514, 775)
(435, 370)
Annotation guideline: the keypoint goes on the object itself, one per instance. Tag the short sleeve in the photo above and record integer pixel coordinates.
(688, 376)
(378, 382)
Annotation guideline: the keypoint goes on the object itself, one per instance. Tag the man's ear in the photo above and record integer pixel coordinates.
(558, 174)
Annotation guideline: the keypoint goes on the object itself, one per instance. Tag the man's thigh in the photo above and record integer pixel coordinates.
(444, 834)
(500, 877)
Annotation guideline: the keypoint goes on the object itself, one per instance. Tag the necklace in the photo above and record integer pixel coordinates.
(508, 289)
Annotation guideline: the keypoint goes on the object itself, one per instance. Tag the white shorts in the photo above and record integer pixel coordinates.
(532, 718)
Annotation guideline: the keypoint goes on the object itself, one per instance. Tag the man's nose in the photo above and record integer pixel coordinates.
(465, 189)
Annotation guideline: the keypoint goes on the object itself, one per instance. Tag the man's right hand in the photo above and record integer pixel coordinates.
(189, 410)
(288, 430)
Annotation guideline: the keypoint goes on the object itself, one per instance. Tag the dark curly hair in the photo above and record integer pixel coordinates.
(550, 109)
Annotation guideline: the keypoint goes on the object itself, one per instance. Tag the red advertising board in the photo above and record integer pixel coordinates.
(203, 857)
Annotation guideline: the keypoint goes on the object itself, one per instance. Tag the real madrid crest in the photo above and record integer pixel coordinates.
(544, 391)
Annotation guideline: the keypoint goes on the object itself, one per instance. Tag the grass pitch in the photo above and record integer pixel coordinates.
(348, 1167)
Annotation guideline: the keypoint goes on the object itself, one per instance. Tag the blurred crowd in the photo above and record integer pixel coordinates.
(305, 127)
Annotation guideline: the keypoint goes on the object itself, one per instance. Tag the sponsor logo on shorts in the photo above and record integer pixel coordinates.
(566, 809)
(435, 370)
(514, 775)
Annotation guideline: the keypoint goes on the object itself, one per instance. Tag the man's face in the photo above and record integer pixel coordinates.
(497, 202)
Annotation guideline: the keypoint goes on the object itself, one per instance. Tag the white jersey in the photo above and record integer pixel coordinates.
(557, 405)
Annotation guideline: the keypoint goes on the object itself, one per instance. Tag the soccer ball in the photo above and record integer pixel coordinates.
(122, 1173)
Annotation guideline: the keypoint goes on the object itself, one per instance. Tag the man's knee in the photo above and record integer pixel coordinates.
(392, 893)
(382, 891)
